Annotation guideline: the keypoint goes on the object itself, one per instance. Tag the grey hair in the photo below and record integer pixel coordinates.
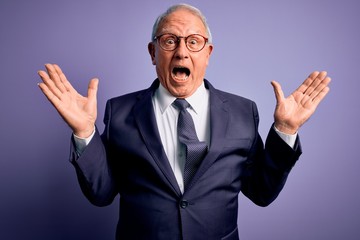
(172, 9)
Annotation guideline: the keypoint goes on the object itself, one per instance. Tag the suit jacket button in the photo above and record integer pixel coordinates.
(184, 204)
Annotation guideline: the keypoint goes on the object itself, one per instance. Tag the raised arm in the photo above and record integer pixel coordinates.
(292, 112)
(79, 112)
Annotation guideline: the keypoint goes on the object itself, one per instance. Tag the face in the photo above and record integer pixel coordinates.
(180, 71)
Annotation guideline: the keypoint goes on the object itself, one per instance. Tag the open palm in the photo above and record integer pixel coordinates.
(292, 112)
(79, 112)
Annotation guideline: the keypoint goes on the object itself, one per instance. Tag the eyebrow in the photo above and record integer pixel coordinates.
(166, 30)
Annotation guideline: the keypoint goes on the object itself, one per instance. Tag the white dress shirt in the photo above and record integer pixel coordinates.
(166, 118)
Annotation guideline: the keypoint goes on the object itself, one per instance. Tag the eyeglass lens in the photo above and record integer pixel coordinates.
(194, 42)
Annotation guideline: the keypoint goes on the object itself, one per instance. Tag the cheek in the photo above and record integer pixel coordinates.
(200, 65)
(162, 60)
(162, 68)
(206, 56)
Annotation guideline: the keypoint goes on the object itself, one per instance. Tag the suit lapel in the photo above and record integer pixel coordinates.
(146, 122)
(145, 119)
(219, 116)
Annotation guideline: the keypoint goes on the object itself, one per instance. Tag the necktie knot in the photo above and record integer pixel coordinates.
(181, 104)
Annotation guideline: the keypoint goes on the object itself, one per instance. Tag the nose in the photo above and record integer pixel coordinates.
(181, 51)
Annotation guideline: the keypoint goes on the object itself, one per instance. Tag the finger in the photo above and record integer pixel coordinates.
(54, 75)
(43, 75)
(67, 85)
(321, 96)
(92, 88)
(318, 94)
(53, 99)
(49, 84)
(314, 75)
(302, 88)
(323, 84)
(279, 94)
(315, 83)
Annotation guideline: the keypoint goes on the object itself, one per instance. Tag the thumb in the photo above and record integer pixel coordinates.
(279, 94)
(92, 88)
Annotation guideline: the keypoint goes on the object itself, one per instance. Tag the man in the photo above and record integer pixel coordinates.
(142, 154)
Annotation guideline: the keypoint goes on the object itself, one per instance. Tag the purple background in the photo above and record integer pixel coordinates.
(255, 42)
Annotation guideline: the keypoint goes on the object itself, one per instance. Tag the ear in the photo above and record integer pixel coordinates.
(209, 49)
(151, 49)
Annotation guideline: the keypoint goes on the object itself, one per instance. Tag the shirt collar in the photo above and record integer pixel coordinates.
(196, 100)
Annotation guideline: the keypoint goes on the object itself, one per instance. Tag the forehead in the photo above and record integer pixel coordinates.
(182, 22)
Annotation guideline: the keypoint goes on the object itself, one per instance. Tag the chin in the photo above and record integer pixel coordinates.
(182, 92)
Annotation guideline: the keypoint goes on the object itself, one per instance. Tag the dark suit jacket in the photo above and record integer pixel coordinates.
(128, 159)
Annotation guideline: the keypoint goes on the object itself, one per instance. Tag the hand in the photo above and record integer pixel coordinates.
(78, 112)
(292, 112)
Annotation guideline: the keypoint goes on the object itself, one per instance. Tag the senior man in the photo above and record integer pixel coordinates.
(179, 152)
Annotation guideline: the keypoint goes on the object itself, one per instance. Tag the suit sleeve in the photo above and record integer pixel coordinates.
(93, 172)
(268, 167)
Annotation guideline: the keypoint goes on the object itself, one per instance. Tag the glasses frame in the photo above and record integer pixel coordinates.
(178, 39)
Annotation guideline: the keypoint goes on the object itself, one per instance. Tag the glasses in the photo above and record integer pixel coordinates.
(193, 42)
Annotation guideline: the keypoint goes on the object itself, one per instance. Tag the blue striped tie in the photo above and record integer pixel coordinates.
(195, 150)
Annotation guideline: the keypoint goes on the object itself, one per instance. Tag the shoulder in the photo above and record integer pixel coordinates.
(130, 99)
(231, 99)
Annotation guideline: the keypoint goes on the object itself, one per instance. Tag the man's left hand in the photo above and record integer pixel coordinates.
(292, 112)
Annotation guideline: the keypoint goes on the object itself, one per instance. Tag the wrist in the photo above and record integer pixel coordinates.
(84, 133)
(285, 128)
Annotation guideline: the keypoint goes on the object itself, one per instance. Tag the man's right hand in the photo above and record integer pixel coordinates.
(79, 112)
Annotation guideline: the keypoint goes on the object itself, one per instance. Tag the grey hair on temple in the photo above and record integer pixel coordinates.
(172, 9)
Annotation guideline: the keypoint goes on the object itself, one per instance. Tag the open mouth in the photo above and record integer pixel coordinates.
(180, 73)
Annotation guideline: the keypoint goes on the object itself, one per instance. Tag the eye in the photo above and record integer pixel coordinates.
(193, 41)
(169, 40)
